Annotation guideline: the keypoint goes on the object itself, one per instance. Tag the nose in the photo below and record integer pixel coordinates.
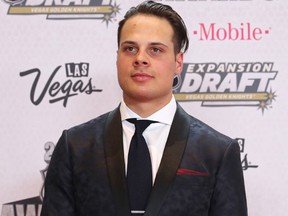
(141, 59)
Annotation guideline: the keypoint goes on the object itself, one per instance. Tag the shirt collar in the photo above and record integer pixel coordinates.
(164, 115)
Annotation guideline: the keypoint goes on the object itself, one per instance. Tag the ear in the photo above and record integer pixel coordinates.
(117, 53)
(179, 63)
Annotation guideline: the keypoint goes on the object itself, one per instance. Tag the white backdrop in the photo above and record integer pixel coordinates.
(47, 54)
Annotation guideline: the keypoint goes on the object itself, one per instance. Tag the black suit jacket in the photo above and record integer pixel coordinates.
(200, 173)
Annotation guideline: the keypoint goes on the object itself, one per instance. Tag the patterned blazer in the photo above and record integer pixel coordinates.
(200, 173)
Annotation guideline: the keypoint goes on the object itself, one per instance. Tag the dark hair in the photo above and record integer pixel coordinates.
(180, 38)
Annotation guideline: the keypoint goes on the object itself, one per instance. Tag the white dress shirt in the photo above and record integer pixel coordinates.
(155, 135)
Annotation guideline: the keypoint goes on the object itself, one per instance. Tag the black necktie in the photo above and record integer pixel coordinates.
(139, 171)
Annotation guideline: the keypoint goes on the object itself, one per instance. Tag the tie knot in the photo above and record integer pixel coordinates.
(140, 125)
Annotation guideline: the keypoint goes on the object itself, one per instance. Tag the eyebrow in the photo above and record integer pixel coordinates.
(128, 42)
(152, 43)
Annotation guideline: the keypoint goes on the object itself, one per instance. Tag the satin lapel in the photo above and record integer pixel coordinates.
(170, 162)
(113, 143)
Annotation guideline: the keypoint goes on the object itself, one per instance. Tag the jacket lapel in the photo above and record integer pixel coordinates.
(113, 145)
(170, 162)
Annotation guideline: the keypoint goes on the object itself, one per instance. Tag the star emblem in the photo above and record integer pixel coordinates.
(108, 17)
(263, 104)
(115, 9)
(272, 96)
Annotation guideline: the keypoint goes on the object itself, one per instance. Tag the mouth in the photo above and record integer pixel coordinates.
(141, 77)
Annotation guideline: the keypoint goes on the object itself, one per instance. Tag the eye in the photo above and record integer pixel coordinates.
(155, 50)
(130, 49)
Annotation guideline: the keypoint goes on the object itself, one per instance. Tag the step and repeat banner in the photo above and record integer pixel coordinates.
(58, 70)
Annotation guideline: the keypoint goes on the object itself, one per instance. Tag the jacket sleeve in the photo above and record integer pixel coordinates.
(229, 198)
(58, 190)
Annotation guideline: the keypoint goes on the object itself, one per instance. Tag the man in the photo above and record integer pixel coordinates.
(196, 171)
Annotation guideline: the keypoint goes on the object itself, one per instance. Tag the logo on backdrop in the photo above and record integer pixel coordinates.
(76, 82)
(66, 9)
(246, 164)
(227, 84)
(230, 32)
(31, 206)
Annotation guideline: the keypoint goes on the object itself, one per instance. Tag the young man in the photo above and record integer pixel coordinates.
(193, 169)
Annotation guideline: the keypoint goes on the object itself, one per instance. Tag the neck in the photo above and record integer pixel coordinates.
(146, 108)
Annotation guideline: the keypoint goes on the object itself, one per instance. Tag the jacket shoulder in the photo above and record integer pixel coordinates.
(91, 127)
(209, 131)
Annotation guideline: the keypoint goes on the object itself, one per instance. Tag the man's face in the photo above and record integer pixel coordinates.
(146, 60)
